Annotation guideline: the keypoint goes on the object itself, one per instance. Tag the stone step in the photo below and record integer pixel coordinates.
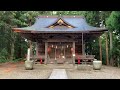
(58, 74)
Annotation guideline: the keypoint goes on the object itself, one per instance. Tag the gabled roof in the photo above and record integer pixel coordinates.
(60, 21)
(42, 22)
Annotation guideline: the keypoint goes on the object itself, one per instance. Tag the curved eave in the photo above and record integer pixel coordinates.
(22, 30)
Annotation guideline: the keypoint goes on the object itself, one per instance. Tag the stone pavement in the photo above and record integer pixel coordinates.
(58, 74)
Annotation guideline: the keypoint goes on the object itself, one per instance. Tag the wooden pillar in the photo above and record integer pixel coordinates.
(84, 48)
(36, 49)
(64, 52)
(82, 45)
(111, 46)
(55, 53)
(107, 61)
(73, 53)
(46, 54)
(100, 49)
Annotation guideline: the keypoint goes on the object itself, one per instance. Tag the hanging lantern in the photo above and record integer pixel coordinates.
(73, 55)
(56, 46)
(78, 61)
(40, 60)
(49, 49)
(72, 49)
(67, 46)
(52, 46)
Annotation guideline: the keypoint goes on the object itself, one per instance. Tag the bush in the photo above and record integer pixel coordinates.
(3, 56)
(17, 60)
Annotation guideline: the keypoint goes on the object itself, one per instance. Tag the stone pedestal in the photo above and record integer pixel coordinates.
(29, 65)
(97, 65)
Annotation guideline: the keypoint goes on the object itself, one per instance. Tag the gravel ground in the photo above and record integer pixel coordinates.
(107, 72)
(17, 71)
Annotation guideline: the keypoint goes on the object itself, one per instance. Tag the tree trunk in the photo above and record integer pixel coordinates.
(12, 46)
(111, 46)
(19, 48)
(107, 60)
(100, 49)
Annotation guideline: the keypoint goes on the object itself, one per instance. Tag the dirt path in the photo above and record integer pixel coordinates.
(9, 67)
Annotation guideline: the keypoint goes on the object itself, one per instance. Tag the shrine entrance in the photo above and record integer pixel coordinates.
(59, 52)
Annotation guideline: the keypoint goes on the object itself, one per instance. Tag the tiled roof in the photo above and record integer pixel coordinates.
(42, 22)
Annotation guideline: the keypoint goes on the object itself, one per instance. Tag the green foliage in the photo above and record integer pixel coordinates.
(113, 22)
(3, 55)
(116, 50)
(103, 46)
(14, 45)
(17, 60)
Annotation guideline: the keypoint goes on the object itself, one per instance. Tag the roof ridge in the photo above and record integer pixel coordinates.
(57, 16)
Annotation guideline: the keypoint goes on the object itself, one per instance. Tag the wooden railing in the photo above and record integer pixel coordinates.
(85, 58)
(38, 58)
